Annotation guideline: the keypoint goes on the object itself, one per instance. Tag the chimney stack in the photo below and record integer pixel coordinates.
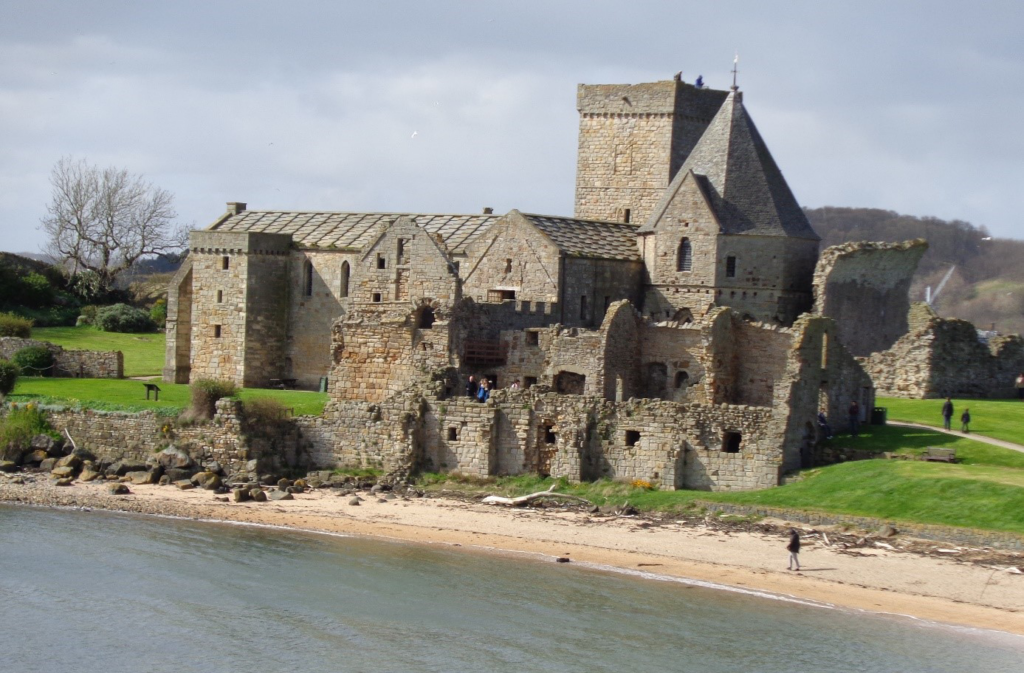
(488, 211)
(235, 207)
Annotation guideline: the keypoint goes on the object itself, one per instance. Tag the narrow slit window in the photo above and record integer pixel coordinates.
(345, 272)
(225, 262)
(684, 260)
(216, 331)
(508, 266)
(382, 262)
(627, 215)
(730, 267)
(307, 278)
(220, 296)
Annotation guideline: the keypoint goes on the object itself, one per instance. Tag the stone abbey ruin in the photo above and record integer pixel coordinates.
(680, 328)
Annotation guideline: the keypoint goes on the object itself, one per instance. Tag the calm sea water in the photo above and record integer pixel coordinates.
(90, 591)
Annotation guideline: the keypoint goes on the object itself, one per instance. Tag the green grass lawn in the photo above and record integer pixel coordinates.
(143, 353)
(1002, 419)
(126, 395)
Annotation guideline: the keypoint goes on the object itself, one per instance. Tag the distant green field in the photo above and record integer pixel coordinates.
(143, 353)
(127, 395)
(1002, 419)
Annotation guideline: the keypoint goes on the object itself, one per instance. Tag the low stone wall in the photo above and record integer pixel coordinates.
(113, 436)
(70, 363)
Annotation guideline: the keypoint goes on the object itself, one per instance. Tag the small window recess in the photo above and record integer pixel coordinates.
(216, 331)
(307, 278)
(508, 266)
(549, 434)
(498, 296)
(225, 262)
(453, 434)
(682, 379)
(632, 437)
(627, 215)
(731, 442)
(529, 381)
(684, 258)
(375, 297)
(730, 267)
(220, 296)
(532, 338)
(382, 261)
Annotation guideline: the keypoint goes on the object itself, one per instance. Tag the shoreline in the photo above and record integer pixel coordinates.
(874, 580)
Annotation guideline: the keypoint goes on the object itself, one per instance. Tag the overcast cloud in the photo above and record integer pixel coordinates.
(452, 106)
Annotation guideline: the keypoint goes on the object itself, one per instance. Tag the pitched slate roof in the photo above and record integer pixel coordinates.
(352, 230)
(744, 185)
(588, 238)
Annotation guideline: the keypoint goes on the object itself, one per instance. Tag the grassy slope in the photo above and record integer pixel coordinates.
(1002, 419)
(114, 394)
(143, 353)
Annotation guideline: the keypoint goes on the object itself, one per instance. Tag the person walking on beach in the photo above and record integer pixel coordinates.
(854, 412)
(471, 387)
(947, 413)
(965, 420)
(794, 549)
(1019, 385)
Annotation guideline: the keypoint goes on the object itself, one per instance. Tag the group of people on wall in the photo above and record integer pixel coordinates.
(481, 390)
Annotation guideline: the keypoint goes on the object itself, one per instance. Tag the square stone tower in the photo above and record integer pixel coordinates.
(633, 139)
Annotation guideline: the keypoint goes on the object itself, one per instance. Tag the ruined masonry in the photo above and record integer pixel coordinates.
(674, 330)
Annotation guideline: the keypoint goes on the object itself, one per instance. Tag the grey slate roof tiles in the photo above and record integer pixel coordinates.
(744, 184)
(576, 238)
(352, 230)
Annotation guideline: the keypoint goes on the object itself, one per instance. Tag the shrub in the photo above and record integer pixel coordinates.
(123, 318)
(8, 377)
(87, 316)
(15, 326)
(264, 413)
(21, 424)
(34, 361)
(205, 393)
(158, 314)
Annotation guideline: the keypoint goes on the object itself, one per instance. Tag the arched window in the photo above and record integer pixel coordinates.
(682, 379)
(307, 278)
(345, 270)
(684, 260)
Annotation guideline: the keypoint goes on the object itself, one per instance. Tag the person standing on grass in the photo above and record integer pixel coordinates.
(1019, 385)
(794, 549)
(854, 412)
(965, 420)
(947, 413)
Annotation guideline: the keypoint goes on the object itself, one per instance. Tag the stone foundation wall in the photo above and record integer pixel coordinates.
(70, 363)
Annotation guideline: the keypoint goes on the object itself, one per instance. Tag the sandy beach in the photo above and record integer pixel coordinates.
(872, 578)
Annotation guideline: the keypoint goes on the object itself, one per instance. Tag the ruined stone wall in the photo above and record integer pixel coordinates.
(673, 362)
(592, 285)
(864, 287)
(69, 363)
(514, 257)
(632, 140)
(178, 349)
(315, 293)
(761, 356)
(773, 276)
(944, 357)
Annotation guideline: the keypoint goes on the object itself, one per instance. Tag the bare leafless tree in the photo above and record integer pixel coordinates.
(103, 220)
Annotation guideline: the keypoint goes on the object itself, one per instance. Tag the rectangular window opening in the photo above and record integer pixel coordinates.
(220, 296)
(532, 339)
(216, 331)
(731, 442)
(376, 297)
(225, 262)
(529, 381)
(508, 266)
(453, 434)
(382, 261)
(632, 437)
(549, 434)
(730, 267)
(498, 296)
(627, 215)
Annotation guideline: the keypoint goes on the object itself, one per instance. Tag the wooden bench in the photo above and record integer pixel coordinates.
(152, 388)
(937, 455)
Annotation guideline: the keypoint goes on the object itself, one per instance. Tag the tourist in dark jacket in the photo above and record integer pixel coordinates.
(854, 412)
(947, 413)
(965, 420)
(794, 549)
(471, 387)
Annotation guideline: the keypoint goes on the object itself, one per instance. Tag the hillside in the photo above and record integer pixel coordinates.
(987, 285)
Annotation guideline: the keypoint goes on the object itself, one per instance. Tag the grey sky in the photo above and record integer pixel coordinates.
(313, 105)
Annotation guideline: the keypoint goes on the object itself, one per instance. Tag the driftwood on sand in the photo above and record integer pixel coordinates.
(524, 500)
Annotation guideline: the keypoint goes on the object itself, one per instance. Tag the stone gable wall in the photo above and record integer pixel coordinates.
(70, 363)
(864, 287)
(512, 256)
